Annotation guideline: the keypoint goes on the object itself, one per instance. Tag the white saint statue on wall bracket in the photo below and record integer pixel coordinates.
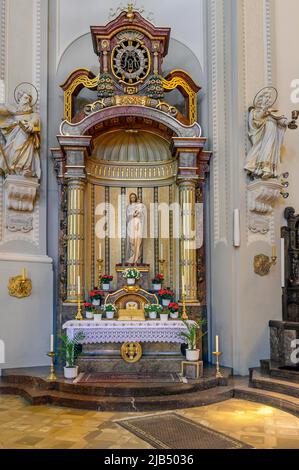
(266, 133)
(20, 135)
(135, 223)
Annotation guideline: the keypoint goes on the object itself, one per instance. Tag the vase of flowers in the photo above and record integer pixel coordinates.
(153, 310)
(89, 310)
(96, 297)
(131, 275)
(106, 281)
(69, 350)
(166, 296)
(164, 315)
(174, 310)
(110, 311)
(192, 334)
(157, 282)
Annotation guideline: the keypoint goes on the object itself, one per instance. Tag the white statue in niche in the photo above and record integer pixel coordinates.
(135, 222)
(20, 135)
(266, 133)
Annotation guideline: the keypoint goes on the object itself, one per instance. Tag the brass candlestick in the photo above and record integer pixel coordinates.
(162, 266)
(79, 316)
(184, 314)
(218, 373)
(52, 377)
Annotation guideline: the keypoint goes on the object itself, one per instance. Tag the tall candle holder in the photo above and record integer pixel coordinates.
(217, 354)
(52, 377)
(184, 314)
(79, 316)
(162, 266)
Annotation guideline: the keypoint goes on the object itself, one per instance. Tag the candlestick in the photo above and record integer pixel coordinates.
(217, 354)
(79, 285)
(79, 316)
(217, 343)
(100, 263)
(52, 343)
(161, 266)
(52, 377)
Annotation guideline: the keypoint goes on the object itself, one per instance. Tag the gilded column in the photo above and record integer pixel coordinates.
(188, 269)
(189, 154)
(76, 149)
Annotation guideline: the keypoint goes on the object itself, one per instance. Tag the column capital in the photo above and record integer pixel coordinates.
(75, 149)
(192, 159)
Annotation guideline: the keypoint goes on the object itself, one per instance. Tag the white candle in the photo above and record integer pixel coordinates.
(217, 343)
(79, 285)
(161, 252)
(237, 235)
(282, 262)
(52, 344)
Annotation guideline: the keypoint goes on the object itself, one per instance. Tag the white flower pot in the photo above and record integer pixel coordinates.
(97, 317)
(106, 287)
(96, 303)
(165, 302)
(109, 315)
(152, 315)
(89, 315)
(70, 372)
(131, 282)
(157, 287)
(174, 316)
(164, 317)
(192, 355)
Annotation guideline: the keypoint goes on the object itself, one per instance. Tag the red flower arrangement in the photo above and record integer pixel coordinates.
(106, 279)
(88, 307)
(158, 279)
(166, 294)
(173, 307)
(96, 294)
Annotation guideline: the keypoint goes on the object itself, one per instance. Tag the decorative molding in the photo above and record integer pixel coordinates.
(262, 196)
(268, 42)
(36, 72)
(22, 257)
(3, 41)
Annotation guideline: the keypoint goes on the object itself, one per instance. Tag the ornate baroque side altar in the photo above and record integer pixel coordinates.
(130, 157)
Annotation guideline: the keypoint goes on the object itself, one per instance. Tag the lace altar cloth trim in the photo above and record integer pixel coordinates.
(121, 332)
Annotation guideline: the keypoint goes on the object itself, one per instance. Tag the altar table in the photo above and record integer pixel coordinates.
(121, 332)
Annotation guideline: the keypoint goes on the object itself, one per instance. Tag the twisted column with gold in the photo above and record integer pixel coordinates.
(188, 151)
(76, 148)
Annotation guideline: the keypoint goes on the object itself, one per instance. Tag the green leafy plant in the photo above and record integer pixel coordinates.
(153, 308)
(69, 349)
(131, 273)
(110, 308)
(194, 332)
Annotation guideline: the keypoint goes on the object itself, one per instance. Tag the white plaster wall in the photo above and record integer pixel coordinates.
(26, 324)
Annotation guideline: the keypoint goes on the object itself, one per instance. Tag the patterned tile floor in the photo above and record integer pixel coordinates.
(44, 427)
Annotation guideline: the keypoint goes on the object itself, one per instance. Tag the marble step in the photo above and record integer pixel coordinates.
(272, 384)
(128, 404)
(280, 401)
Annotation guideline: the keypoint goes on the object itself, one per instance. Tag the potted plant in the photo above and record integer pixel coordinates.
(131, 275)
(106, 281)
(69, 351)
(152, 310)
(157, 282)
(191, 335)
(96, 297)
(166, 296)
(89, 310)
(97, 316)
(164, 314)
(174, 310)
(110, 311)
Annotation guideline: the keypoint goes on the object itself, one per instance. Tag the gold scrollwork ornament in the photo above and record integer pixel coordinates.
(19, 287)
(131, 352)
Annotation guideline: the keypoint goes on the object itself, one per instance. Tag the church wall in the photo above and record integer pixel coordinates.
(26, 324)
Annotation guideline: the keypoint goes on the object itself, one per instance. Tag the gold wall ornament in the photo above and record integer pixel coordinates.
(131, 352)
(19, 287)
(262, 264)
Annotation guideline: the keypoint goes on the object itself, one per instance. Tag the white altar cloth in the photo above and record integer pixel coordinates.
(121, 332)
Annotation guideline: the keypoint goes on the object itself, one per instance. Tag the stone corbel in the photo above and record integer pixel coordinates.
(262, 197)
